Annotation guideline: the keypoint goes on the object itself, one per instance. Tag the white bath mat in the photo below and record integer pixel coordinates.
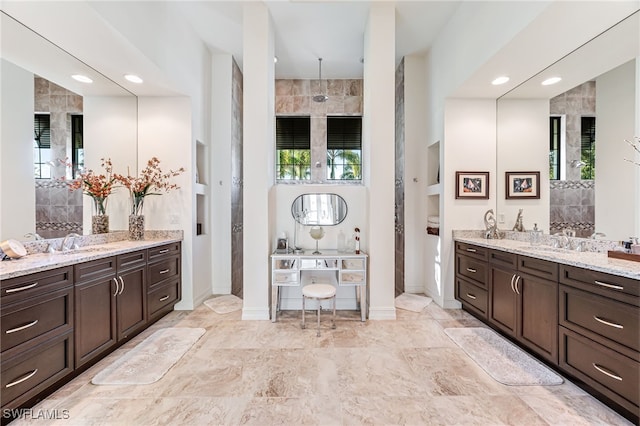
(151, 359)
(501, 359)
(224, 304)
(412, 302)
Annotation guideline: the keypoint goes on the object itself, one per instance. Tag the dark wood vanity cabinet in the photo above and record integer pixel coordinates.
(37, 333)
(472, 272)
(164, 282)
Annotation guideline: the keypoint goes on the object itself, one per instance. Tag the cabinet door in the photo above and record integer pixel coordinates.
(502, 300)
(538, 315)
(95, 318)
(131, 302)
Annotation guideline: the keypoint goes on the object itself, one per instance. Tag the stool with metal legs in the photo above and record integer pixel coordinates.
(319, 292)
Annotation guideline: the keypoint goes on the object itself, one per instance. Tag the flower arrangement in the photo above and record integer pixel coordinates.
(97, 186)
(151, 180)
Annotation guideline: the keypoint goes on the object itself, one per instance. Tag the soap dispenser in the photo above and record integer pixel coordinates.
(536, 235)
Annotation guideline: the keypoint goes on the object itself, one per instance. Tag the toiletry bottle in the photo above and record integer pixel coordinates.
(535, 235)
(341, 242)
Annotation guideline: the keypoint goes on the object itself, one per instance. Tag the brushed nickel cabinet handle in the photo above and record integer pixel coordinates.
(472, 270)
(164, 271)
(163, 251)
(605, 322)
(515, 285)
(26, 287)
(115, 293)
(607, 285)
(121, 282)
(471, 296)
(472, 250)
(605, 372)
(22, 379)
(163, 298)
(513, 277)
(13, 330)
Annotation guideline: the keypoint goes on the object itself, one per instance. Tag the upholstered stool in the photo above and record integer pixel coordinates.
(319, 292)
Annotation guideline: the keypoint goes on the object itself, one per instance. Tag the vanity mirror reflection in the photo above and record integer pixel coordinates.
(600, 80)
(319, 209)
(36, 78)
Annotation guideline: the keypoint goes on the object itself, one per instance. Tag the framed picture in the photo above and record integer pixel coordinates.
(472, 185)
(523, 185)
(282, 245)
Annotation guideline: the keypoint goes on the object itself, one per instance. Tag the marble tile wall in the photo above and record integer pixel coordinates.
(236, 182)
(58, 211)
(399, 181)
(572, 201)
(293, 97)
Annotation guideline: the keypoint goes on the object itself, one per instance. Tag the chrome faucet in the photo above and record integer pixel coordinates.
(518, 226)
(72, 236)
(35, 236)
(595, 235)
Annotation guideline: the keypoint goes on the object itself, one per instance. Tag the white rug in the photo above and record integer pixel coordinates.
(224, 304)
(412, 302)
(151, 359)
(501, 359)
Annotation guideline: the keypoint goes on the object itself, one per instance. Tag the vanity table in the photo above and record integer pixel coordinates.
(330, 267)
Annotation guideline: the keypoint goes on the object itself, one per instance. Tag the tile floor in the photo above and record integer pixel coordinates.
(403, 372)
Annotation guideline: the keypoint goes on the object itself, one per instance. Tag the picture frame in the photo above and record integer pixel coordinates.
(522, 185)
(473, 185)
(282, 245)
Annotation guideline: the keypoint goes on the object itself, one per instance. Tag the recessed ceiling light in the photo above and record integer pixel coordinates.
(500, 80)
(82, 78)
(133, 78)
(552, 80)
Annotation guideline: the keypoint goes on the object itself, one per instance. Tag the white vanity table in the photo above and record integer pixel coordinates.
(331, 267)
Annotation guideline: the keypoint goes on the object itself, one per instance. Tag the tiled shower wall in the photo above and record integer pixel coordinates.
(293, 97)
(58, 211)
(236, 183)
(572, 200)
(399, 181)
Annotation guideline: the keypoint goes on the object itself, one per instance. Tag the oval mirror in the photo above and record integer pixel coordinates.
(319, 209)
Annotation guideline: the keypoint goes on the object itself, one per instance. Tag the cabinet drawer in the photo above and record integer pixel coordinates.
(503, 258)
(94, 269)
(353, 264)
(158, 298)
(351, 277)
(19, 288)
(600, 367)
(159, 252)
(34, 370)
(36, 316)
(596, 315)
(166, 269)
(472, 295)
(471, 250)
(286, 278)
(131, 260)
(319, 263)
(473, 269)
(538, 267)
(284, 263)
(614, 286)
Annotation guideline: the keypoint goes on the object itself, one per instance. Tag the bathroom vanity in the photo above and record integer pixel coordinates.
(329, 267)
(577, 311)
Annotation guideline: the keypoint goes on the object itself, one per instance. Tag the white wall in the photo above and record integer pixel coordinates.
(17, 181)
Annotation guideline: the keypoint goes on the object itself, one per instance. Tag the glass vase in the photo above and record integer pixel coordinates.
(99, 218)
(136, 227)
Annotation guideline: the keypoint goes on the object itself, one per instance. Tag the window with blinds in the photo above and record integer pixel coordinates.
(77, 151)
(555, 128)
(293, 148)
(42, 146)
(344, 148)
(588, 147)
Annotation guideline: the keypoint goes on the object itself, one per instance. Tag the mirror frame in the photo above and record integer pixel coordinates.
(325, 219)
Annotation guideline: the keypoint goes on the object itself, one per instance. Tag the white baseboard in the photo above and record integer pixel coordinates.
(382, 313)
(452, 304)
(256, 314)
(414, 289)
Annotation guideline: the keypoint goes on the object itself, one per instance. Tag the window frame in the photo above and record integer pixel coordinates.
(291, 118)
(359, 165)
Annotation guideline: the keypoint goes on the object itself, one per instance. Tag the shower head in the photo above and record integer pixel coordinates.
(576, 164)
(321, 97)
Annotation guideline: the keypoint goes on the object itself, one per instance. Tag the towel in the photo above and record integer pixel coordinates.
(434, 220)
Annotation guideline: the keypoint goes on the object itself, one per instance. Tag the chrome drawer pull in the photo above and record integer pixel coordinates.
(515, 285)
(471, 296)
(162, 299)
(472, 250)
(163, 251)
(26, 377)
(26, 287)
(605, 372)
(613, 286)
(610, 324)
(117, 286)
(121, 282)
(471, 270)
(13, 330)
(164, 271)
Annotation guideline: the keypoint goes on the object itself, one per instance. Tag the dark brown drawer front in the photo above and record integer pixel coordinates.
(94, 269)
(470, 250)
(503, 258)
(35, 370)
(472, 295)
(599, 366)
(163, 296)
(538, 267)
(160, 271)
(614, 286)
(473, 269)
(131, 260)
(36, 316)
(613, 320)
(163, 251)
(17, 289)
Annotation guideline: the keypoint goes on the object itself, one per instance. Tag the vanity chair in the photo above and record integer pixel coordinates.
(319, 292)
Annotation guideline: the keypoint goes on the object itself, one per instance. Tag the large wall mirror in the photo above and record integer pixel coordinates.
(319, 209)
(573, 133)
(86, 122)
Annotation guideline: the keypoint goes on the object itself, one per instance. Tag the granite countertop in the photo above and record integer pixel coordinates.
(37, 262)
(597, 261)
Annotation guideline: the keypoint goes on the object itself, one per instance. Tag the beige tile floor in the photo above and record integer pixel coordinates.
(403, 372)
